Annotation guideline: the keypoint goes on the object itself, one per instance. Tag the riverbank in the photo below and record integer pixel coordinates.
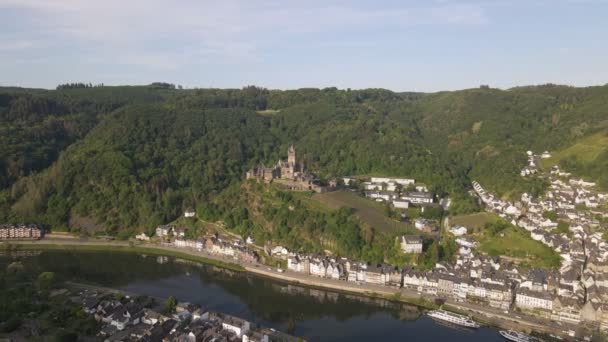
(75, 245)
(489, 316)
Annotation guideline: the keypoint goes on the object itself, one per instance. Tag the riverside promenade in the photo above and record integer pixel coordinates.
(490, 316)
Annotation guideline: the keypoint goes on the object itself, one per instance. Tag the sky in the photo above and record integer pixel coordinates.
(402, 45)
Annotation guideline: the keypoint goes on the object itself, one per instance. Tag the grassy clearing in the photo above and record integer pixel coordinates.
(587, 149)
(193, 223)
(369, 212)
(475, 221)
(516, 243)
(512, 242)
(307, 198)
(118, 248)
(268, 112)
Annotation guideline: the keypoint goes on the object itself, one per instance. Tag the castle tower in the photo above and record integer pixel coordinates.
(291, 156)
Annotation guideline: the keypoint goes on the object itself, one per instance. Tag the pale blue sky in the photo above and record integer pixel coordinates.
(399, 45)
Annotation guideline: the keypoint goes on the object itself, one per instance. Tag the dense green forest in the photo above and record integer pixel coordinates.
(117, 158)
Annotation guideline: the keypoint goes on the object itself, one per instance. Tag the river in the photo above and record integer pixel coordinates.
(316, 315)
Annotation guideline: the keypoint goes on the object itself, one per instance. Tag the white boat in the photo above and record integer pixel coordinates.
(453, 318)
(517, 336)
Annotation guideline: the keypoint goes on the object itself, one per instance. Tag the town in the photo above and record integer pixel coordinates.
(565, 219)
(578, 291)
(574, 294)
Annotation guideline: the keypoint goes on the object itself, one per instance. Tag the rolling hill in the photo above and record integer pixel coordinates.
(128, 158)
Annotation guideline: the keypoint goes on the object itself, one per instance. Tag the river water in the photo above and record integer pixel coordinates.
(316, 315)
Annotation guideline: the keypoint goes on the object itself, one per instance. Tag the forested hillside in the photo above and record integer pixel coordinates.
(116, 158)
(36, 125)
(486, 130)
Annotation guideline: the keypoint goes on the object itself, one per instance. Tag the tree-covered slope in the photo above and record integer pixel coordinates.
(36, 125)
(143, 165)
(487, 131)
(133, 157)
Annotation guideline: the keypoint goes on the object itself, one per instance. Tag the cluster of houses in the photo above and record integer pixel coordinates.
(344, 269)
(353, 271)
(21, 232)
(426, 226)
(397, 191)
(578, 291)
(533, 161)
(128, 320)
(480, 280)
(212, 244)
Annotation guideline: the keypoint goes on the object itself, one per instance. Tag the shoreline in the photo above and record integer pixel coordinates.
(489, 317)
(121, 247)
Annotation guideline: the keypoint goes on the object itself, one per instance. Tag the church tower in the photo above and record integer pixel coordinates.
(291, 156)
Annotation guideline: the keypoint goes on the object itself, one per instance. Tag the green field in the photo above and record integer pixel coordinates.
(517, 244)
(512, 242)
(586, 150)
(474, 221)
(369, 212)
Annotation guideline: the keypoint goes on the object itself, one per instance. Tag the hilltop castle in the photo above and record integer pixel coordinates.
(289, 173)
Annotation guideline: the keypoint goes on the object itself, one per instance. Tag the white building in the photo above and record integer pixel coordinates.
(236, 326)
(383, 195)
(466, 242)
(458, 230)
(142, 237)
(402, 181)
(411, 244)
(401, 204)
(418, 197)
(280, 251)
(162, 231)
(531, 300)
(318, 268)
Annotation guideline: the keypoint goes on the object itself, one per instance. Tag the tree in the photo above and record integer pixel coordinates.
(399, 187)
(66, 336)
(15, 268)
(170, 304)
(430, 257)
(551, 215)
(496, 227)
(388, 211)
(435, 213)
(8, 247)
(448, 249)
(562, 227)
(410, 188)
(46, 281)
(10, 325)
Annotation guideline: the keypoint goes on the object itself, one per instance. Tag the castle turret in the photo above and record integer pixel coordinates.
(291, 156)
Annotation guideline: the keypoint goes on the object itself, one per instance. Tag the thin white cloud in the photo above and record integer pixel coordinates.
(161, 34)
(16, 45)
